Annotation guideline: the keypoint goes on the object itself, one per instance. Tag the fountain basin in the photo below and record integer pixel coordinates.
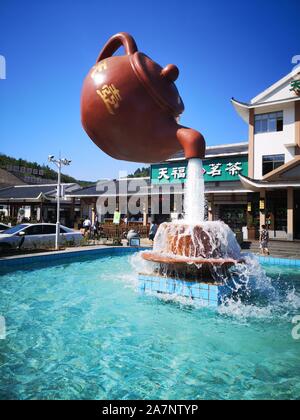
(190, 268)
(156, 257)
(203, 251)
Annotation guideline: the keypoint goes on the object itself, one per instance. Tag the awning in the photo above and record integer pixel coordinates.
(287, 171)
(256, 185)
(242, 108)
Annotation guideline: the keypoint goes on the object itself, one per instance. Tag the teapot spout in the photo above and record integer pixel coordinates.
(192, 142)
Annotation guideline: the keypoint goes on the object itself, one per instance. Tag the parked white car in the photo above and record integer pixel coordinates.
(37, 236)
(3, 227)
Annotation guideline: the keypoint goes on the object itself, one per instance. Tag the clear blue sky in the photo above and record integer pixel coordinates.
(223, 49)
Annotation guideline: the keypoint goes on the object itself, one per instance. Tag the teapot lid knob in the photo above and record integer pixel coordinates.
(170, 72)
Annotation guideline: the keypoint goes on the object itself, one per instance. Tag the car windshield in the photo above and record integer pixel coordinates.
(15, 229)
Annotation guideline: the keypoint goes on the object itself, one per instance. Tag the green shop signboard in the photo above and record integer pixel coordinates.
(217, 169)
(295, 86)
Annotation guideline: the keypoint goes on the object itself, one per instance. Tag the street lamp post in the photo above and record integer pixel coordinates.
(59, 163)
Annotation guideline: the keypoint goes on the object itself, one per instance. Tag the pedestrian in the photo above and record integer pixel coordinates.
(153, 230)
(264, 240)
(87, 226)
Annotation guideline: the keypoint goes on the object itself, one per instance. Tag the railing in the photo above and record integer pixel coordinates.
(111, 230)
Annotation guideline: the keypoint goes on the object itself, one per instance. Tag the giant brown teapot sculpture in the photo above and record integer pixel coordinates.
(129, 106)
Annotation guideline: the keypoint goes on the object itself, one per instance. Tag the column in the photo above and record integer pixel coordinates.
(31, 211)
(145, 216)
(39, 214)
(210, 203)
(45, 214)
(72, 213)
(94, 209)
(251, 144)
(250, 211)
(262, 212)
(297, 124)
(290, 214)
(81, 208)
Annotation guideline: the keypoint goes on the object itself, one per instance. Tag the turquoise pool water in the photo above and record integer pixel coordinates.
(80, 330)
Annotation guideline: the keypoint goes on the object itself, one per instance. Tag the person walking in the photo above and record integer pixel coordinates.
(264, 240)
(153, 230)
(87, 226)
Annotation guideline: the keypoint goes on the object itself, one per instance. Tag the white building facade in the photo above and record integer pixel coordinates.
(273, 118)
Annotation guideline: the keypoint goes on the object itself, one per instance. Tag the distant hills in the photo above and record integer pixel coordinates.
(140, 173)
(34, 173)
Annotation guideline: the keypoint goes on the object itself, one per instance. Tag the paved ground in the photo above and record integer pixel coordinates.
(278, 249)
(144, 243)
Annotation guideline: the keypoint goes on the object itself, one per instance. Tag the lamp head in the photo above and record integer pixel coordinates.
(51, 158)
(66, 162)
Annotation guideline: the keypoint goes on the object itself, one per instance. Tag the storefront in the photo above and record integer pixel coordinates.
(129, 196)
(37, 203)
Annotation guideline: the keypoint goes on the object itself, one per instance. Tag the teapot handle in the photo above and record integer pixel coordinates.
(115, 42)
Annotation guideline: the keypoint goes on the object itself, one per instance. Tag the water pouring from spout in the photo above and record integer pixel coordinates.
(194, 197)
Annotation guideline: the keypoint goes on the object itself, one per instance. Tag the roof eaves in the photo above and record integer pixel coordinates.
(275, 86)
(283, 168)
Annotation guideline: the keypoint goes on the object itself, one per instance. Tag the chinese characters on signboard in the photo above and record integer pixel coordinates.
(176, 173)
(219, 170)
(295, 86)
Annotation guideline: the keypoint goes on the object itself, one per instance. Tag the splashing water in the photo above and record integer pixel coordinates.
(256, 294)
(194, 193)
(253, 291)
(207, 240)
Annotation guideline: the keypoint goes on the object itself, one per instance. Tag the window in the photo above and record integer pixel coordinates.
(267, 123)
(34, 230)
(272, 162)
(15, 229)
(49, 229)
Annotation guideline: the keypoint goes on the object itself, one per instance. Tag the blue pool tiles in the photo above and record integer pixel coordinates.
(279, 261)
(206, 293)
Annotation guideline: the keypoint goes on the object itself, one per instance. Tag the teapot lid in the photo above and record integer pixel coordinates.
(159, 82)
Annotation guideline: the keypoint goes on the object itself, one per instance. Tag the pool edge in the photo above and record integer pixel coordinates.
(25, 261)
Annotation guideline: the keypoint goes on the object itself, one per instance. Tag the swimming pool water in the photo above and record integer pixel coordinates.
(80, 330)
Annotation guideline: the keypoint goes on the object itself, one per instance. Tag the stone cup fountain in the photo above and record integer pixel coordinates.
(192, 248)
(201, 251)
